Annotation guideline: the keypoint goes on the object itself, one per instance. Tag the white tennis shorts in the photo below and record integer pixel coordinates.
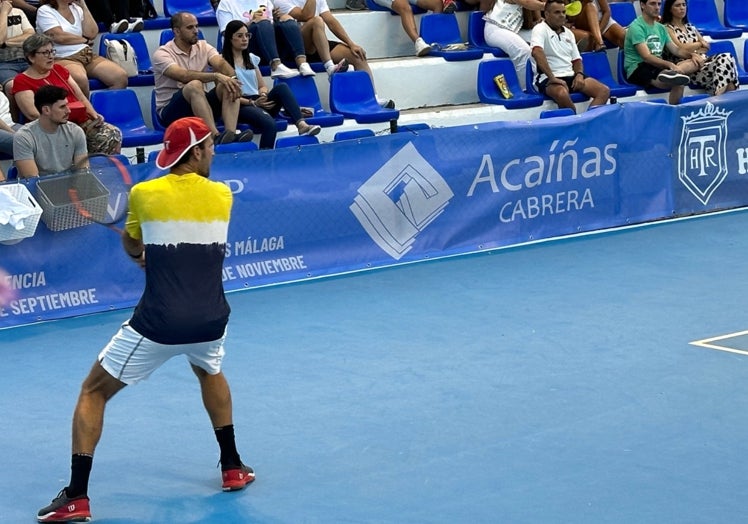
(130, 357)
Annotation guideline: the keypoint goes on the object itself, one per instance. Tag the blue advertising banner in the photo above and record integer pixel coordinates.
(315, 211)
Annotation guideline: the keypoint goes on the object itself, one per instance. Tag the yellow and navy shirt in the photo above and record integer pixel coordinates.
(183, 221)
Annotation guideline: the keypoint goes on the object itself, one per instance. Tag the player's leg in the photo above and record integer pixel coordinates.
(88, 420)
(205, 360)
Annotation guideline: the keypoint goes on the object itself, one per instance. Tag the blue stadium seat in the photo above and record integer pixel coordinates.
(703, 14)
(157, 125)
(412, 128)
(476, 24)
(726, 46)
(156, 24)
(352, 95)
(622, 12)
(168, 34)
(120, 107)
(693, 98)
(440, 31)
(137, 40)
(353, 134)
(736, 14)
(597, 66)
(12, 173)
(94, 84)
(296, 141)
(553, 113)
(202, 9)
(304, 89)
(235, 147)
(531, 88)
(489, 93)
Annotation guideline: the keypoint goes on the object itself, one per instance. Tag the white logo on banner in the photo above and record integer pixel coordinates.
(400, 200)
(702, 152)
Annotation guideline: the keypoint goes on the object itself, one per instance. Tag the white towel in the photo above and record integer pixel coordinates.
(13, 212)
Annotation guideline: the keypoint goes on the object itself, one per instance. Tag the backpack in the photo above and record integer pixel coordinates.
(122, 53)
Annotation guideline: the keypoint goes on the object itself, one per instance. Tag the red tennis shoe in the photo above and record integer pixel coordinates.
(235, 479)
(66, 509)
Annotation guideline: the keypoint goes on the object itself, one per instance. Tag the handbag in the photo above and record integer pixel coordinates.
(122, 53)
(78, 112)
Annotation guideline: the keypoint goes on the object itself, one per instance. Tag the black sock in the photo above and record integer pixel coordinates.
(229, 455)
(80, 469)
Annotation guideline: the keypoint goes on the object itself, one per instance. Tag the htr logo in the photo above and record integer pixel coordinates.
(400, 200)
(702, 152)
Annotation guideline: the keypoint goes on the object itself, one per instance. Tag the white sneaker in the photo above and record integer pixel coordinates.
(284, 72)
(136, 26)
(340, 67)
(306, 70)
(119, 27)
(422, 48)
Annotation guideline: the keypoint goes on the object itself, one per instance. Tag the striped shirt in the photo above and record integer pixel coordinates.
(183, 221)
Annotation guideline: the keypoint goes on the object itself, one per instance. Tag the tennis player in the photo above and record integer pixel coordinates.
(182, 310)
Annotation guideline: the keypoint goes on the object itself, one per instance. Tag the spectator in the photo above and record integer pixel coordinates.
(719, 73)
(116, 15)
(504, 20)
(29, 7)
(644, 65)
(49, 144)
(408, 21)
(181, 68)
(7, 126)
(264, 33)
(259, 106)
(316, 18)
(596, 20)
(101, 137)
(73, 29)
(559, 65)
(17, 29)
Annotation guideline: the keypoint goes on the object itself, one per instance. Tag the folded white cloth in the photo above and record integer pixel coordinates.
(13, 212)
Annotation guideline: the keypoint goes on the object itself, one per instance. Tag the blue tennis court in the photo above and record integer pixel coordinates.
(586, 380)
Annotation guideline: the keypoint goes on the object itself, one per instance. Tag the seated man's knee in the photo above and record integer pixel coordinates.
(193, 88)
(399, 6)
(317, 23)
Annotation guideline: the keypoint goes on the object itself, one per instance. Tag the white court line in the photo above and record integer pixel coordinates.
(707, 343)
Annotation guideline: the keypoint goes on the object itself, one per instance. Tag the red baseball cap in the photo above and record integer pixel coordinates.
(180, 136)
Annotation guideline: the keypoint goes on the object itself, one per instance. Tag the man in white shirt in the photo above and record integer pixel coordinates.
(559, 68)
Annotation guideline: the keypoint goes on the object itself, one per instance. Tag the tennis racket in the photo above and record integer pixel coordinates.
(99, 187)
